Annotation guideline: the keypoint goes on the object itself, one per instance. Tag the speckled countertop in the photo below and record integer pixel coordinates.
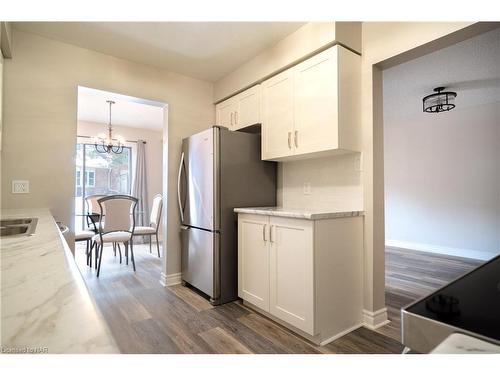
(458, 343)
(45, 304)
(309, 214)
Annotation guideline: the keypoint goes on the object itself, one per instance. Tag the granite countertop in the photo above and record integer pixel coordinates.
(309, 214)
(45, 304)
(458, 343)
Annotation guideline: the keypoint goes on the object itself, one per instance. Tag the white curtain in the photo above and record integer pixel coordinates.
(140, 186)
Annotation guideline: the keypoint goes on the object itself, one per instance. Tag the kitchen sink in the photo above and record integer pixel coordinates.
(17, 227)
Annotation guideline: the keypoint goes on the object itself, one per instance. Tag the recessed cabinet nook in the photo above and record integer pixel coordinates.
(241, 110)
(309, 110)
(301, 269)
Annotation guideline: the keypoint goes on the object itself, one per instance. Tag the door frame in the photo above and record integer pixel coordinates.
(406, 44)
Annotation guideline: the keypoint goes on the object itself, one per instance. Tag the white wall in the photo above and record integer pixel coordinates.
(442, 181)
(154, 149)
(442, 171)
(40, 116)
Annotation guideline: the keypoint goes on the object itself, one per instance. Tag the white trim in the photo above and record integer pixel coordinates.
(339, 335)
(169, 280)
(445, 250)
(375, 319)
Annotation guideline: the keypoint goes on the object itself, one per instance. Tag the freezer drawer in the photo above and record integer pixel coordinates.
(199, 259)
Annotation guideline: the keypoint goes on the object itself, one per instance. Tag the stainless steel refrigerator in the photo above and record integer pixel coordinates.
(219, 170)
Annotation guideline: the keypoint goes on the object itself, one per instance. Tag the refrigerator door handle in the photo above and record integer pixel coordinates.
(179, 187)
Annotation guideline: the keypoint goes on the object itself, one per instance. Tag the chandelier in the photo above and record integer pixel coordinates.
(107, 144)
(441, 101)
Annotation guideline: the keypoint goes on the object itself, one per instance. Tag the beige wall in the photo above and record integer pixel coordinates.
(40, 103)
(154, 151)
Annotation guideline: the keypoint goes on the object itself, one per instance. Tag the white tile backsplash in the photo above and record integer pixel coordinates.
(335, 183)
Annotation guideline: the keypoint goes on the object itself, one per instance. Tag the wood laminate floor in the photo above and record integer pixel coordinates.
(145, 317)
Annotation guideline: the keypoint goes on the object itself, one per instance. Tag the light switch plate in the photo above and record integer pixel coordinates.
(20, 187)
(358, 162)
(307, 188)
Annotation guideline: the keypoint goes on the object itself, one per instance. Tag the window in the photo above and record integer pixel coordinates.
(78, 178)
(90, 178)
(102, 174)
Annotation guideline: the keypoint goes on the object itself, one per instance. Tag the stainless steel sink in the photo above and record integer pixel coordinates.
(17, 227)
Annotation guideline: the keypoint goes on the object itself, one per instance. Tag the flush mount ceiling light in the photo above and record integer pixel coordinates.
(106, 144)
(441, 101)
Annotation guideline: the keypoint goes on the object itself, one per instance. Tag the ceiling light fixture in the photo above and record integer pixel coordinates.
(441, 101)
(106, 144)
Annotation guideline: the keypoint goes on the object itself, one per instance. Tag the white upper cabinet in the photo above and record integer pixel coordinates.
(315, 103)
(225, 113)
(241, 110)
(248, 111)
(312, 109)
(277, 112)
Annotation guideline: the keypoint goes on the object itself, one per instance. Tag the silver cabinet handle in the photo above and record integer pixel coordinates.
(264, 232)
(236, 118)
(296, 138)
(290, 140)
(179, 187)
(232, 114)
(271, 233)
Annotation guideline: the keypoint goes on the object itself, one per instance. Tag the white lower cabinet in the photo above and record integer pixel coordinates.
(253, 260)
(305, 274)
(291, 276)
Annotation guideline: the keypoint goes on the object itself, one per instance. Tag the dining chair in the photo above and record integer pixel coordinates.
(94, 212)
(86, 235)
(119, 225)
(154, 223)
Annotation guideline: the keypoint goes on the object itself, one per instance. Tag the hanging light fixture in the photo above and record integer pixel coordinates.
(107, 144)
(441, 101)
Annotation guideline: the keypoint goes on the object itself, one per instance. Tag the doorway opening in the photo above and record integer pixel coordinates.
(120, 151)
(441, 170)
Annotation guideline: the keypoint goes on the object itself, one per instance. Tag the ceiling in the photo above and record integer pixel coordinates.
(204, 50)
(471, 68)
(127, 111)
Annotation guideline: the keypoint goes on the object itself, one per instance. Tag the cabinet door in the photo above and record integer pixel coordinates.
(277, 116)
(226, 113)
(291, 274)
(248, 111)
(316, 103)
(253, 260)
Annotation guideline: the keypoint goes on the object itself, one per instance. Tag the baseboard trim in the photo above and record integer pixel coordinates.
(339, 335)
(316, 339)
(169, 280)
(444, 250)
(375, 319)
